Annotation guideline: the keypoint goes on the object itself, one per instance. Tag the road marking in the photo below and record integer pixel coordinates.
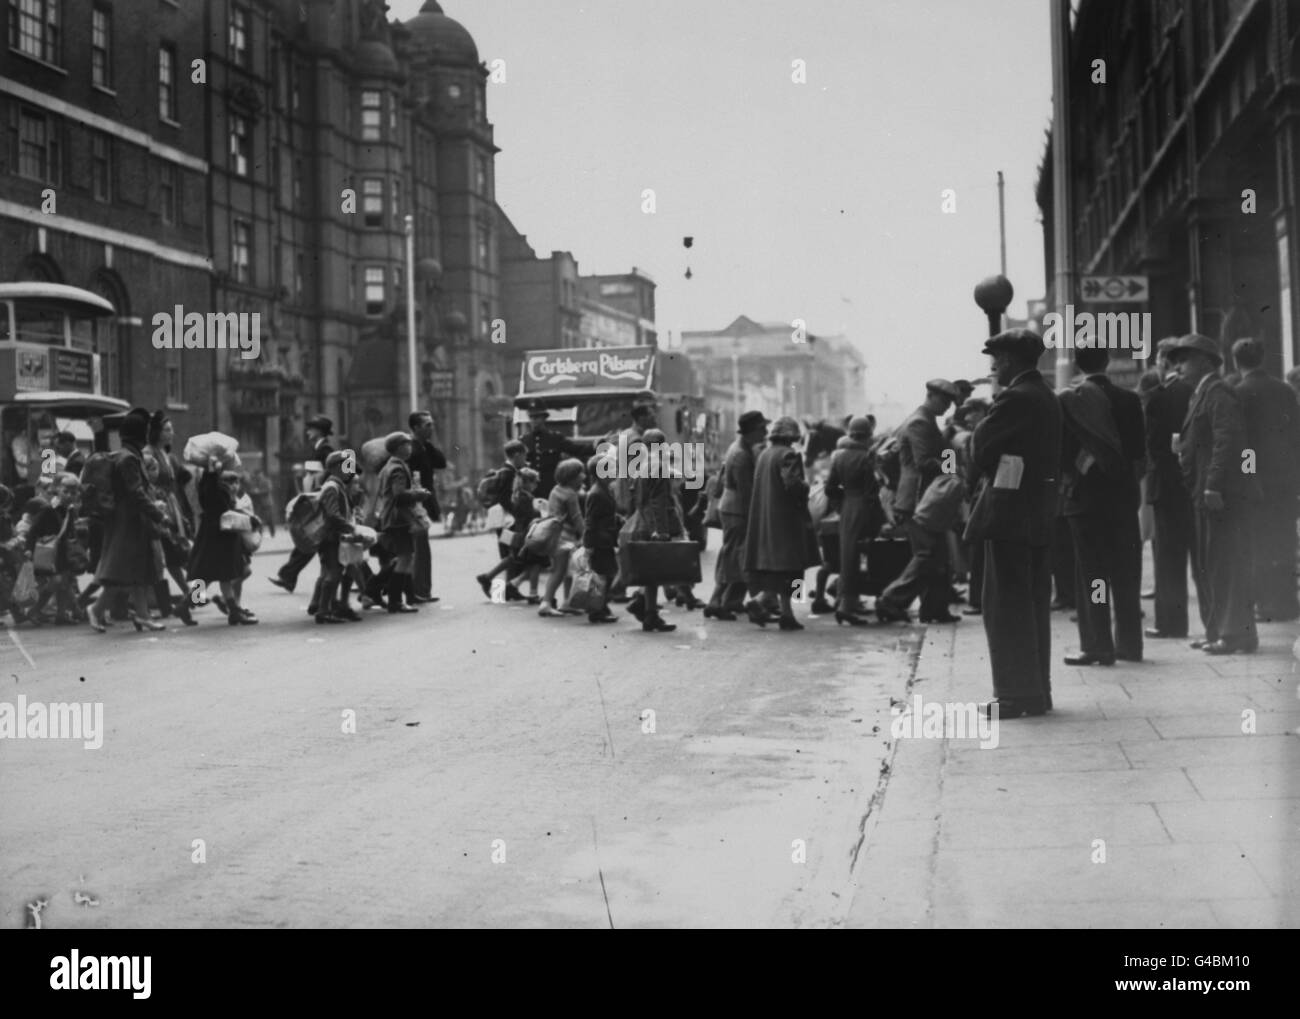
(19, 645)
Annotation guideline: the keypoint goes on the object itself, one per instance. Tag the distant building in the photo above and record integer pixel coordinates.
(759, 366)
(618, 310)
(1184, 164)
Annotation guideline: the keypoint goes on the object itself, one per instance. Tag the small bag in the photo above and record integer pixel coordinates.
(45, 555)
(713, 513)
(543, 536)
(234, 520)
(307, 523)
(351, 553)
(25, 592)
(252, 539)
(421, 525)
(588, 592)
(662, 562)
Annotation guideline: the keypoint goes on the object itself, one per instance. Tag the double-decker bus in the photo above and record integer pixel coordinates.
(49, 373)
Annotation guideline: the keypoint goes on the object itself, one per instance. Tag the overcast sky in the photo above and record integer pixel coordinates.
(820, 201)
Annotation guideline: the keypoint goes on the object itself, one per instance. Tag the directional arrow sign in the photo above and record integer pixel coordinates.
(1113, 289)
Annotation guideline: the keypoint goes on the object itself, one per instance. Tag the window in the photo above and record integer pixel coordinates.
(484, 319)
(168, 188)
(295, 95)
(101, 46)
(297, 182)
(371, 116)
(374, 290)
(298, 270)
(482, 246)
(240, 251)
(34, 136)
(239, 35)
(397, 281)
(175, 388)
(101, 167)
(480, 176)
(239, 144)
(34, 28)
(167, 82)
(397, 201)
(372, 201)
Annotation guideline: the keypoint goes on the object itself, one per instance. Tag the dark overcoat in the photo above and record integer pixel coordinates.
(128, 556)
(780, 539)
(217, 555)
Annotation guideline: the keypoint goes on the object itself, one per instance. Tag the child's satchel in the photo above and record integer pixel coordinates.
(45, 553)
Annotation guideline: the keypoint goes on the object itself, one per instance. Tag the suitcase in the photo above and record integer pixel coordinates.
(662, 562)
(886, 559)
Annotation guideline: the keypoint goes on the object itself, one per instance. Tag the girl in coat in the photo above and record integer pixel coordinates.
(395, 504)
(218, 556)
(852, 484)
(600, 533)
(658, 518)
(562, 504)
(523, 563)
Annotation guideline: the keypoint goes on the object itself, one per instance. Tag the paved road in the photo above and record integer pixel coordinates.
(473, 723)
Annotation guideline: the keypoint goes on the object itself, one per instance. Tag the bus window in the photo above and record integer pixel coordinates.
(37, 324)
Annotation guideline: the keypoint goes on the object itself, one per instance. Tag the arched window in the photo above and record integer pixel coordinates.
(112, 337)
(38, 268)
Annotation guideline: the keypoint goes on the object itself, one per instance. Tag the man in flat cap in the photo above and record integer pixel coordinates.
(319, 429)
(1017, 449)
(1273, 432)
(1103, 450)
(1210, 452)
(920, 446)
(1171, 541)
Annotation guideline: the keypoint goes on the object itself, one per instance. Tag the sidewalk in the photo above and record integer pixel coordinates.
(1138, 802)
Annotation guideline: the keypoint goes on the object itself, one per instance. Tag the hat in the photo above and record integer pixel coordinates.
(652, 435)
(751, 419)
(861, 426)
(784, 428)
(975, 403)
(135, 426)
(964, 386)
(396, 439)
(1167, 344)
(1023, 344)
(321, 422)
(1199, 343)
(944, 388)
(339, 457)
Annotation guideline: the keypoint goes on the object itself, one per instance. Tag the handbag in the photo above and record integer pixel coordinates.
(252, 539)
(351, 553)
(45, 553)
(662, 562)
(543, 536)
(588, 592)
(25, 591)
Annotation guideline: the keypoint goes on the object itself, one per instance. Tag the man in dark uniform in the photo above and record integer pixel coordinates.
(1017, 450)
(547, 448)
(1102, 451)
(425, 459)
(319, 429)
(1171, 541)
(921, 444)
(1273, 432)
(1223, 494)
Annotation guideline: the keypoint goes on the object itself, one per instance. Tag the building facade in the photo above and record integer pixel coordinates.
(763, 366)
(1186, 164)
(263, 156)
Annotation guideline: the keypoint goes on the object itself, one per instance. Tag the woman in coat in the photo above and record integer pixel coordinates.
(600, 532)
(218, 556)
(733, 509)
(658, 518)
(174, 537)
(126, 562)
(852, 484)
(395, 504)
(780, 544)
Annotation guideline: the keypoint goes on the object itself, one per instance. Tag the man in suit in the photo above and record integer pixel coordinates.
(426, 458)
(1102, 450)
(921, 445)
(1173, 527)
(1017, 449)
(319, 429)
(1273, 432)
(1210, 452)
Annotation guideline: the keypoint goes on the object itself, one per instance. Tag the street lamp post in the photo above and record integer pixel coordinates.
(412, 371)
(993, 295)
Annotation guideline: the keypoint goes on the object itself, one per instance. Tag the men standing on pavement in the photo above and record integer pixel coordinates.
(1273, 432)
(1017, 449)
(546, 448)
(1210, 451)
(425, 459)
(921, 445)
(1102, 451)
(319, 429)
(1173, 529)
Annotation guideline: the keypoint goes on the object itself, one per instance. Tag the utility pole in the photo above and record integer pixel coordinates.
(1002, 223)
(1062, 223)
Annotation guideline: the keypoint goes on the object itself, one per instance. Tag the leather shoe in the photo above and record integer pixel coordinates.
(972, 612)
(1197, 645)
(1014, 708)
(1082, 659)
(1229, 647)
(1155, 634)
(947, 618)
(886, 613)
(278, 582)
